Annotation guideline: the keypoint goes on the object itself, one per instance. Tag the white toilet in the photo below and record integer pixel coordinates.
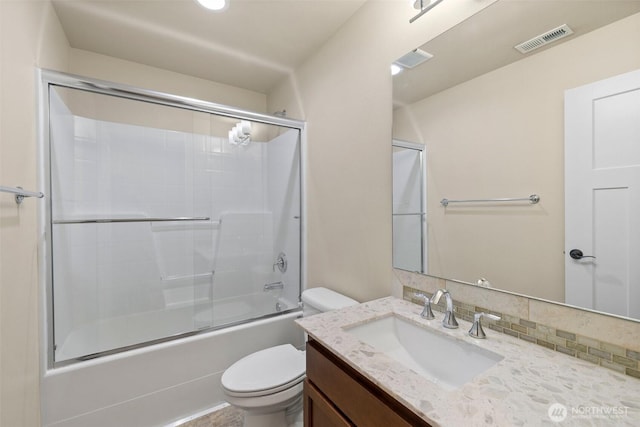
(267, 384)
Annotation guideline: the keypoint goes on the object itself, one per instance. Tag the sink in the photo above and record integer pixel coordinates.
(440, 358)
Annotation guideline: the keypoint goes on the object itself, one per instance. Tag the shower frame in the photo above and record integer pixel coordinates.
(421, 150)
(49, 78)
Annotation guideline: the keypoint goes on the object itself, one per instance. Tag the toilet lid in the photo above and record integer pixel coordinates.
(265, 370)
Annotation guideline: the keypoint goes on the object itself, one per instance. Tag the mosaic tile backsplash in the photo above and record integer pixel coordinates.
(622, 355)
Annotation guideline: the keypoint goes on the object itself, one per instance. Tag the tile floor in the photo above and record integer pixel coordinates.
(225, 417)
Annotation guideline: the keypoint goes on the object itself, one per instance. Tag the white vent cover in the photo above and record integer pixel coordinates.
(544, 39)
(413, 58)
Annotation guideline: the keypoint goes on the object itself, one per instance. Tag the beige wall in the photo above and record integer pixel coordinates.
(139, 113)
(344, 92)
(103, 67)
(502, 135)
(30, 36)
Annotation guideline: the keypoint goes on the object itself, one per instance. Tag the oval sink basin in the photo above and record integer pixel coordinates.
(445, 360)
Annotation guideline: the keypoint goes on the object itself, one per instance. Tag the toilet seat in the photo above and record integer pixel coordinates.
(265, 392)
(265, 372)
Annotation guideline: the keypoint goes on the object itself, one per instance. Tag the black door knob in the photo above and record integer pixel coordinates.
(577, 254)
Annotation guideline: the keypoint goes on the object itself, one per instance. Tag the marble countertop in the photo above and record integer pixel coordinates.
(518, 391)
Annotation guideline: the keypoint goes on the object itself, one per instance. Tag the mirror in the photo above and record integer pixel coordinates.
(492, 120)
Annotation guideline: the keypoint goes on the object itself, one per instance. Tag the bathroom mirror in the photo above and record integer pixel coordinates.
(493, 119)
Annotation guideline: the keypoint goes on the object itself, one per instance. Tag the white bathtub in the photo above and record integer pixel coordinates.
(120, 332)
(159, 384)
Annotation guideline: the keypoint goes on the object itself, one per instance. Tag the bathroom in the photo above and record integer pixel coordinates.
(347, 248)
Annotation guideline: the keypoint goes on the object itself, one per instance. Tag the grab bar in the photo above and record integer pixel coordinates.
(533, 199)
(109, 220)
(274, 285)
(20, 193)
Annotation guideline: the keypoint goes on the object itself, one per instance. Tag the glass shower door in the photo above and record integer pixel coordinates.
(409, 201)
(165, 221)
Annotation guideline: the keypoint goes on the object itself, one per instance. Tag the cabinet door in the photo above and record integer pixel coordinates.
(319, 412)
(360, 401)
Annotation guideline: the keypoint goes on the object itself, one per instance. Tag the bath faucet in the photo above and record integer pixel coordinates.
(476, 330)
(426, 311)
(274, 285)
(281, 263)
(449, 320)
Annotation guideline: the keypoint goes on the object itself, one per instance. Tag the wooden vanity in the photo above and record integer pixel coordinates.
(335, 394)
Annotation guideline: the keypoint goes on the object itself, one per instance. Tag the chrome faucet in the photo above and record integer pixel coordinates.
(476, 330)
(449, 320)
(426, 311)
(274, 285)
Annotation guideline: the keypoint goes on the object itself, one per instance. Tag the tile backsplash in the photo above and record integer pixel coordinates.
(607, 341)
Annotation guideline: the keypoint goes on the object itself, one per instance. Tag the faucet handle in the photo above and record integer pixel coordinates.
(426, 311)
(476, 330)
(281, 263)
(435, 298)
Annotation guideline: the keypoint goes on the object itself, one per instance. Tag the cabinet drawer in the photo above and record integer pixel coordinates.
(360, 400)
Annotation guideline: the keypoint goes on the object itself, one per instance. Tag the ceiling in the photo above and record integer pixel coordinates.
(486, 41)
(254, 44)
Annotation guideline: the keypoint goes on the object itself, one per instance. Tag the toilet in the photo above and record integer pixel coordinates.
(267, 385)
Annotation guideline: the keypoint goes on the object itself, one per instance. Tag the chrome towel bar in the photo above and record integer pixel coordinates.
(533, 199)
(109, 220)
(20, 193)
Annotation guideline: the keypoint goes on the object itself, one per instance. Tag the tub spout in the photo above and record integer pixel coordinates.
(274, 285)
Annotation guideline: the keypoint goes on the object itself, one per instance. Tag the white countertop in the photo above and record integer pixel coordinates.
(517, 391)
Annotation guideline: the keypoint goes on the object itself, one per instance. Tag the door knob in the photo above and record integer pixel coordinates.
(577, 254)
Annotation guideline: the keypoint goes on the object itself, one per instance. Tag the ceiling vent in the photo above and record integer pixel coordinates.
(413, 58)
(544, 39)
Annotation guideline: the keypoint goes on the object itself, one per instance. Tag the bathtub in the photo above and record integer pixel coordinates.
(158, 384)
(124, 331)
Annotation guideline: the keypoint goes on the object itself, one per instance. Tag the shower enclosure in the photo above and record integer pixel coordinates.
(409, 206)
(167, 217)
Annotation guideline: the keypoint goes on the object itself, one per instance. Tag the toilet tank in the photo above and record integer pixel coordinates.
(319, 300)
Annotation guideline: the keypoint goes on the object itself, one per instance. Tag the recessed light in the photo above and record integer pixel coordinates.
(215, 5)
(396, 69)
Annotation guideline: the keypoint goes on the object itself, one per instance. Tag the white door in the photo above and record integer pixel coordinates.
(602, 195)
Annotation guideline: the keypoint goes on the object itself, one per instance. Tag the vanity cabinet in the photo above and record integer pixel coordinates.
(335, 394)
